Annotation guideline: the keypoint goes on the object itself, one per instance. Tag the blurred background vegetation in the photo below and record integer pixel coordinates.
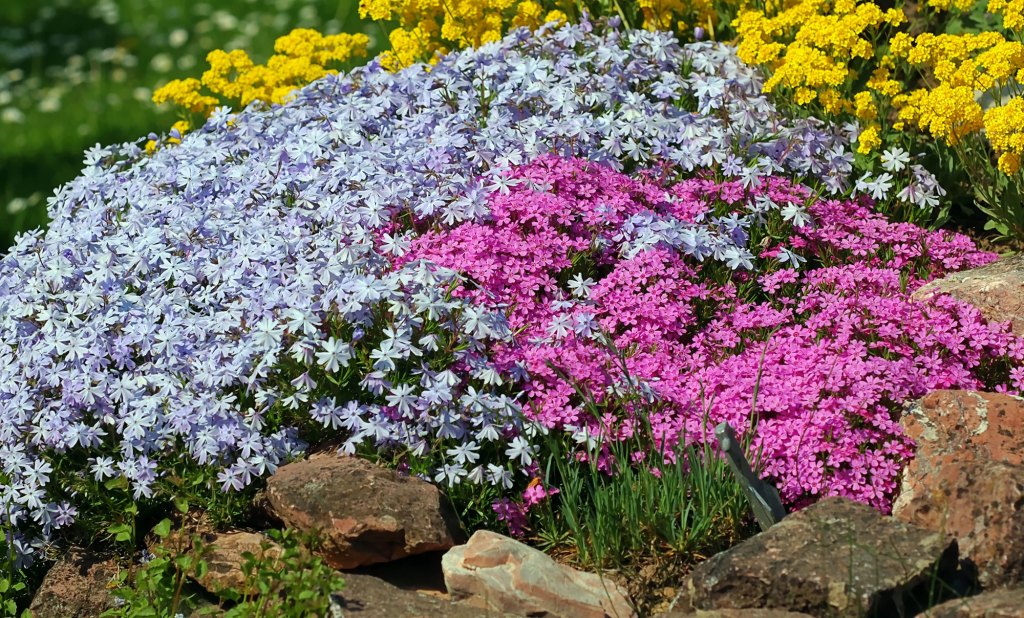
(74, 73)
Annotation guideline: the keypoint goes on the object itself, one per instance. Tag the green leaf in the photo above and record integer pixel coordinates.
(121, 532)
(163, 528)
(181, 504)
(118, 482)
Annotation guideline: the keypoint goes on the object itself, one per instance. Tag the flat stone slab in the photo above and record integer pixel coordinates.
(967, 479)
(511, 577)
(835, 558)
(736, 613)
(365, 513)
(365, 596)
(996, 289)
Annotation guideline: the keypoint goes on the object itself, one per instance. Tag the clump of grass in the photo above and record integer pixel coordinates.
(626, 507)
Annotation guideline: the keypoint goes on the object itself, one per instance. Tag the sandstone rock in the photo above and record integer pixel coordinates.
(967, 479)
(514, 578)
(225, 559)
(77, 586)
(366, 514)
(369, 597)
(736, 613)
(996, 289)
(1005, 603)
(836, 558)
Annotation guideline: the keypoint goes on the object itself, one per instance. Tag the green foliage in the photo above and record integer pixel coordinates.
(297, 583)
(285, 580)
(14, 589)
(10, 590)
(109, 513)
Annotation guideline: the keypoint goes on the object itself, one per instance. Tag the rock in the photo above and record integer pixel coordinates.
(996, 289)
(1005, 603)
(836, 558)
(77, 586)
(365, 596)
(366, 514)
(514, 578)
(967, 479)
(225, 559)
(736, 613)
(421, 573)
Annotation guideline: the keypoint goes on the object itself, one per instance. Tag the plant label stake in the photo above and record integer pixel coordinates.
(763, 497)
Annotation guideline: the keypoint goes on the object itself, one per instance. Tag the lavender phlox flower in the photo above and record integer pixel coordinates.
(876, 186)
(797, 214)
(895, 159)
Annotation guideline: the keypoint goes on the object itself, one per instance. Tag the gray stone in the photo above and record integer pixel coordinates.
(836, 558)
(366, 514)
(511, 577)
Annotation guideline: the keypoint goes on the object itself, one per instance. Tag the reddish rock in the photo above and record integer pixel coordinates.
(967, 479)
(77, 586)
(510, 577)
(996, 289)
(834, 558)
(1005, 603)
(366, 514)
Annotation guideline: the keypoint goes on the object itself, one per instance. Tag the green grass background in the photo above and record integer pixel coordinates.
(74, 73)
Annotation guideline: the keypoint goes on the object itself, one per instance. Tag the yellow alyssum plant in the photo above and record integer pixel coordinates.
(814, 51)
(854, 60)
(428, 28)
(233, 79)
(961, 72)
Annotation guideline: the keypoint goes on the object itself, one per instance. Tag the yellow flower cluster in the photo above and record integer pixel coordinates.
(185, 93)
(301, 57)
(963, 68)
(666, 14)
(1004, 127)
(428, 28)
(945, 5)
(1012, 12)
(809, 46)
(816, 52)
